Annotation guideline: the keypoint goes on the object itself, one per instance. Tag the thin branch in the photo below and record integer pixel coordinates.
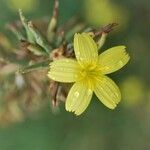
(52, 27)
(106, 29)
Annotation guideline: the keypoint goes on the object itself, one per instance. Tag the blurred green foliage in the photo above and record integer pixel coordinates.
(126, 128)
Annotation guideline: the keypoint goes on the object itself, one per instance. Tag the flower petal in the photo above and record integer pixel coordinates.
(78, 98)
(85, 48)
(107, 91)
(113, 59)
(64, 70)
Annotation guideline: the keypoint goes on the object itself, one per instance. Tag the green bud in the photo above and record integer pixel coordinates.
(102, 40)
(51, 29)
(39, 38)
(24, 21)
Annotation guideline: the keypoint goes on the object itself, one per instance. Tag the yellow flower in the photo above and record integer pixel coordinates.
(89, 73)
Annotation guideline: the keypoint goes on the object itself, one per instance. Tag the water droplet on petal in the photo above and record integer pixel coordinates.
(81, 59)
(76, 94)
(101, 88)
(76, 76)
(116, 94)
(106, 68)
(89, 92)
(54, 78)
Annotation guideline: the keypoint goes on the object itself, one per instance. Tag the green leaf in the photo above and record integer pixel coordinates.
(37, 66)
(40, 39)
(24, 21)
(51, 29)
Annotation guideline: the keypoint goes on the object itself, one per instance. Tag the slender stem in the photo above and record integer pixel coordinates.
(52, 27)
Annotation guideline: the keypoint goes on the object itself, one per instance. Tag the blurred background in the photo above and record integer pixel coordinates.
(125, 128)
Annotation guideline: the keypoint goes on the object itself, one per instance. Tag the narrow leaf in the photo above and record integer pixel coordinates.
(40, 39)
(24, 21)
(37, 66)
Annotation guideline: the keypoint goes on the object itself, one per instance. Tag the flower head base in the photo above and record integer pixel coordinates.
(89, 73)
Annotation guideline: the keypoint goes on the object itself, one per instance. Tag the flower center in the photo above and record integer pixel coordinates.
(89, 72)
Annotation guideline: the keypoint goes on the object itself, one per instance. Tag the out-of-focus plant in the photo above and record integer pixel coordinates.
(100, 12)
(25, 87)
(25, 5)
(131, 96)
